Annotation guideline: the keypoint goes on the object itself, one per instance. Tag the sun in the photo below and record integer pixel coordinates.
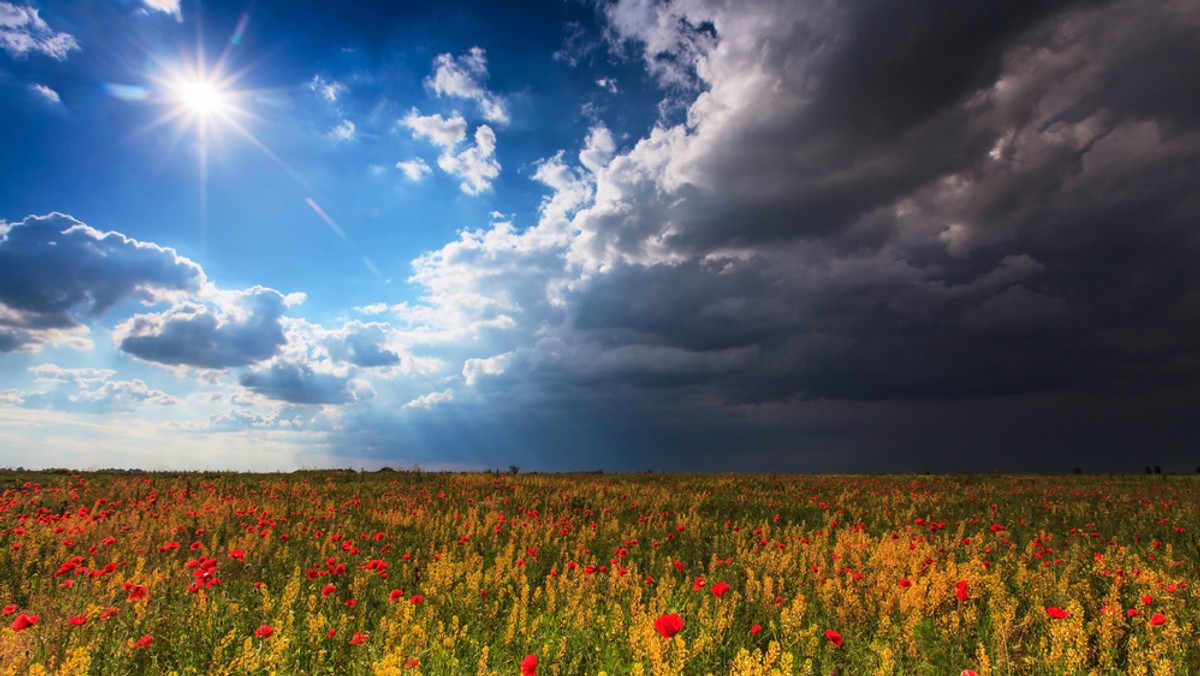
(200, 97)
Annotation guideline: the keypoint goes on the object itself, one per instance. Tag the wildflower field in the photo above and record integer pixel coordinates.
(415, 572)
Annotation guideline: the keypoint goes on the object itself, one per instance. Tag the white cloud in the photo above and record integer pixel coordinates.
(86, 390)
(608, 84)
(46, 93)
(444, 133)
(329, 90)
(344, 131)
(22, 31)
(474, 368)
(461, 77)
(166, 6)
(414, 169)
(476, 164)
(430, 400)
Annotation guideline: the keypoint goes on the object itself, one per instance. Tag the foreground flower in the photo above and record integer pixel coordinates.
(755, 629)
(264, 631)
(328, 589)
(359, 637)
(1057, 613)
(529, 665)
(9, 609)
(834, 637)
(144, 642)
(668, 625)
(1155, 620)
(78, 620)
(24, 621)
(960, 591)
(719, 589)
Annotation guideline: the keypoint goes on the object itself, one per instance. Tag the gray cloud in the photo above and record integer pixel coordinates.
(362, 345)
(298, 384)
(233, 329)
(53, 266)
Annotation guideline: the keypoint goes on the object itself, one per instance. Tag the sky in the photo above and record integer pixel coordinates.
(628, 235)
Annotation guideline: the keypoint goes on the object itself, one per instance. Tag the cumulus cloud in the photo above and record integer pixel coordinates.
(445, 133)
(221, 329)
(23, 31)
(476, 164)
(299, 384)
(363, 345)
(463, 77)
(86, 390)
(431, 399)
(54, 267)
(415, 169)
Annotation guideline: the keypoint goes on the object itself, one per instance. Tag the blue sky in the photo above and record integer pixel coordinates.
(619, 234)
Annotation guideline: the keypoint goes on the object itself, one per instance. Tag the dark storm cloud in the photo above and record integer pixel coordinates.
(298, 384)
(916, 203)
(53, 266)
(238, 330)
(889, 236)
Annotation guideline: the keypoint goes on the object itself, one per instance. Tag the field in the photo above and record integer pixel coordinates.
(416, 572)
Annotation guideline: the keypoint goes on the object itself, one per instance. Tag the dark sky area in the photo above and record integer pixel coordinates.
(697, 235)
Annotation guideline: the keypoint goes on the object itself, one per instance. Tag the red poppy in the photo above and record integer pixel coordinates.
(1155, 620)
(668, 625)
(398, 594)
(968, 672)
(834, 637)
(755, 629)
(417, 599)
(328, 589)
(1057, 613)
(78, 620)
(1147, 599)
(24, 621)
(196, 546)
(905, 583)
(960, 590)
(264, 631)
(359, 637)
(698, 584)
(237, 555)
(719, 589)
(145, 641)
(529, 665)
(9, 609)
(412, 663)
